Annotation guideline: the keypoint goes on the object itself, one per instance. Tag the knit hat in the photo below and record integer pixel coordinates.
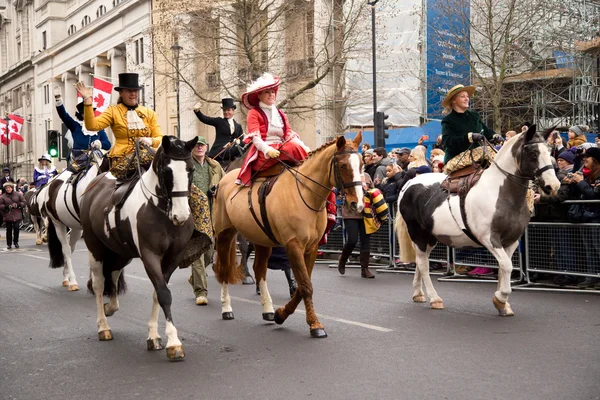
(369, 152)
(423, 169)
(568, 156)
(579, 129)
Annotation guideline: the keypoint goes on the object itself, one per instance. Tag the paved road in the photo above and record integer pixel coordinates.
(380, 345)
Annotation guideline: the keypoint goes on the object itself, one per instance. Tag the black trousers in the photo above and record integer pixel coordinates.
(12, 233)
(355, 228)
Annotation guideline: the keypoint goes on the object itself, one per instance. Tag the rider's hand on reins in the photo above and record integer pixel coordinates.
(476, 137)
(272, 153)
(145, 140)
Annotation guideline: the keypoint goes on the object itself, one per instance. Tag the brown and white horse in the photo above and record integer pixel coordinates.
(296, 213)
(154, 224)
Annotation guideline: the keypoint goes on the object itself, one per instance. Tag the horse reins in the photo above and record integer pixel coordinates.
(517, 178)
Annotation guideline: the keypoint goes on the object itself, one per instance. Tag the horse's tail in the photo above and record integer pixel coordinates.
(407, 251)
(109, 286)
(232, 274)
(57, 258)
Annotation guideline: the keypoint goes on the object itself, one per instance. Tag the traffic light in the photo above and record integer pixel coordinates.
(380, 127)
(52, 143)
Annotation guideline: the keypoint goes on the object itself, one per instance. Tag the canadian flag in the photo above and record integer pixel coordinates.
(101, 95)
(3, 133)
(15, 124)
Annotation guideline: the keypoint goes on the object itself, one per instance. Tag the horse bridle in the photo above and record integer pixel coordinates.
(337, 175)
(164, 194)
(517, 177)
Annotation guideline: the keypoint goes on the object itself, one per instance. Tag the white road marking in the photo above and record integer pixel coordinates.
(322, 316)
(33, 285)
(38, 257)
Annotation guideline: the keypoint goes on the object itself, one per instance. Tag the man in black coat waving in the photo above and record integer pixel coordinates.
(226, 129)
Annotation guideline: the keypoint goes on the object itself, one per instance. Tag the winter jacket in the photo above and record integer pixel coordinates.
(11, 206)
(41, 176)
(576, 141)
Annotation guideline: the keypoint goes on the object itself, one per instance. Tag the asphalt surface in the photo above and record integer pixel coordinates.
(381, 345)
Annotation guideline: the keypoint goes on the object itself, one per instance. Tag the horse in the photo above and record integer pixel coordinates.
(59, 200)
(295, 211)
(39, 222)
(154, 224)
(495, 213)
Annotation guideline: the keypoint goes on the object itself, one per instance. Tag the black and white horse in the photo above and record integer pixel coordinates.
(60, 202)
(153, 224)
(496, 213)
(39, 222)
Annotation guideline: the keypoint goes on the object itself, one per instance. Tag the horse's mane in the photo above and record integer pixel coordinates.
(318, 150)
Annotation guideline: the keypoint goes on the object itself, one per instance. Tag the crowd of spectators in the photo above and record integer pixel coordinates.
(572, 249)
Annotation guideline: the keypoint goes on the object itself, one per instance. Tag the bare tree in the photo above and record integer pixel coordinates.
(234, 42)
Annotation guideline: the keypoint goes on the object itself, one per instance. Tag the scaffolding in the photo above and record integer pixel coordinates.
(561, 87)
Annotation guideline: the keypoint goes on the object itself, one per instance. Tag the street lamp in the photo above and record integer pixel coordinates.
(372, 4)
(176, 48)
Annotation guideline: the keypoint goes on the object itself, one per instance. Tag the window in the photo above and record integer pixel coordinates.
(116, 2)
(139, 51)
(46, 94)
(212, 80)
(101, 11)
(44, 41)
(17, 98)
(71, 31)
(86, 21)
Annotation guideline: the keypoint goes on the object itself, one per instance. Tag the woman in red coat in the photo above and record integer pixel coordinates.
(268, 130)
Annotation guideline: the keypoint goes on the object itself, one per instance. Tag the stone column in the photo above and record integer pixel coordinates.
(69, 79)
(83, 74)
(100, 66)
(116, 58)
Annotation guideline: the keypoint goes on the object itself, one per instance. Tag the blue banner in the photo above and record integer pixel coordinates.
(447, 50)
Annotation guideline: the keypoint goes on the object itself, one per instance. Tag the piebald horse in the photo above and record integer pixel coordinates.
(39, 222)
(60, 201)
(296, 213)
(154, 224)
(496, 213)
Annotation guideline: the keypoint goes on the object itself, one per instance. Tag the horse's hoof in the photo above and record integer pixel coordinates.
(154, 344)
(419, 299)
(318, 333)
(105, 335)
(248, 280)
(38, 242)
(504, 309)
(73, 288)
(437, 305)
(269, 316)
(227, 315)
(175, 353)
(65, 283)
(277, 318)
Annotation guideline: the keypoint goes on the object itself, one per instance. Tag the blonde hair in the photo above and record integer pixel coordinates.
(436, 152)
(419, 159)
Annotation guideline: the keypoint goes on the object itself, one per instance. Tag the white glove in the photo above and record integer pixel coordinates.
(146, 140)
(236, 142)
(272, 153)
(96, 144)
(197, 106)
(57, 92)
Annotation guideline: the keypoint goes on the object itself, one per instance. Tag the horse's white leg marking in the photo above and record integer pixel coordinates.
(171, 332)
(418, 295)
(98, 285)
(355, 163)
(265, 297)
(225, 299)
(68, 272)
(423, 266)
(74, 236)
(153, 321)
(180, 210)
(504, 270)
(112, 305)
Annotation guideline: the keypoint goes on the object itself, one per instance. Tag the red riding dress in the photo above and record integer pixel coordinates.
(269, 128)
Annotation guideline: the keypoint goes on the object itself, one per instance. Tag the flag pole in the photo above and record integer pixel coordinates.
(7, 143)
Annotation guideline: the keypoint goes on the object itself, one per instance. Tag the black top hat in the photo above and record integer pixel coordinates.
(227, 103)
(593, 152)
(128, 81)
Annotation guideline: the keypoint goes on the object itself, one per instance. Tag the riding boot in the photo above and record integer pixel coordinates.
(343, 260)
(291, 281)
(364, 265)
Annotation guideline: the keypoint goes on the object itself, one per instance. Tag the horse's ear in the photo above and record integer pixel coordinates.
(548, 131)
(358, 139)
(190, 144)
(166, 143)
(340, 143)
(530, 133)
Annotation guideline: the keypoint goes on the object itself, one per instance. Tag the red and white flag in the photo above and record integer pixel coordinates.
(15, 124)
(101, 95)
(4, 133)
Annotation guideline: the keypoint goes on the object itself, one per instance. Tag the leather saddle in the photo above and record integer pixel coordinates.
(123, 190)
(461, 181)
(268, 179)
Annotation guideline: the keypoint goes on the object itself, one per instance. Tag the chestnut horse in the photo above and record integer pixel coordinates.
(295, 210)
